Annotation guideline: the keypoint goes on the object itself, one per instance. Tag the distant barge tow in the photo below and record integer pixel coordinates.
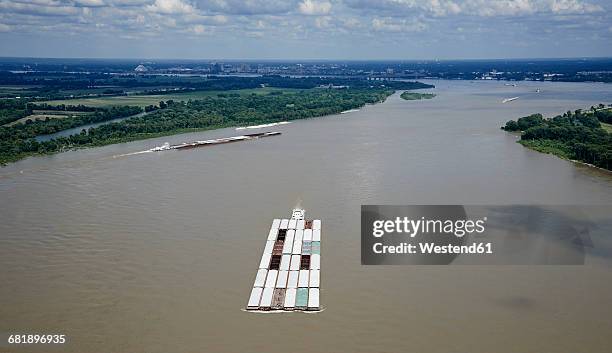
(182, 146)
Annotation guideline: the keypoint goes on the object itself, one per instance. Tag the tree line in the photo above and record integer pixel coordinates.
(208, 113)
(50, 85)
(574, 135)
(18, 141)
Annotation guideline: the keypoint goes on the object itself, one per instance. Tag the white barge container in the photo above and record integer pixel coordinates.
(289, 273)
(266, 298)
(290, 295)
(260, 279)
(281, 281)
(254, 298)
(303, 279)
(313, 299)
(295, 263)
(271, 279)
(285, 260)
(292, 282)
(315, 277)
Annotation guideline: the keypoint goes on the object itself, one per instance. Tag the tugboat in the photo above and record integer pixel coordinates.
(298, 214)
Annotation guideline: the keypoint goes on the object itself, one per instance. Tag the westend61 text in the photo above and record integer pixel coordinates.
(431, 248)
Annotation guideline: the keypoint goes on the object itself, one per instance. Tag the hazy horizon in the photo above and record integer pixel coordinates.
(246, 59)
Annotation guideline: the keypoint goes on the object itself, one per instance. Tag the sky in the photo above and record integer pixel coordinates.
(306, 29)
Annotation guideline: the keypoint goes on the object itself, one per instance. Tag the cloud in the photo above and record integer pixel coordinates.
(90, 3)
(485, 8)
(249, 7)
(259, 24)
(500, 8)
(311, 7)
(198, 29)
(41, 8)
(210, 20)
(394, 25)
(423, 26)
(350, 23)
(169, 7)
(573, 7)
(254, 34)
(322, 22)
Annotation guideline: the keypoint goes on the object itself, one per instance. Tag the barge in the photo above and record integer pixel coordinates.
(188, 145)
(289, 273)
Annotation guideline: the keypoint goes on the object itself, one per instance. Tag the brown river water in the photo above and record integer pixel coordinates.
(157, 252)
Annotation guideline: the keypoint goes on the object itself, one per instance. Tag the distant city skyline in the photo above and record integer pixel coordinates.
(306, 29)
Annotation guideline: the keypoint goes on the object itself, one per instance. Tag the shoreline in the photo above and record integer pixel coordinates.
(565, 158)
(141, 137)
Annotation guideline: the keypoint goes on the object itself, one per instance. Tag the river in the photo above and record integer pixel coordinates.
(157, 252)
(77, 130)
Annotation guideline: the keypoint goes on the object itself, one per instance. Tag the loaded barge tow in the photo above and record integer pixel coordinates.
(289, 274)
(187, 145)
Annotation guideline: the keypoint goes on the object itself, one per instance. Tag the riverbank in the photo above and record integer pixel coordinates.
(204, 115)
(578, 136)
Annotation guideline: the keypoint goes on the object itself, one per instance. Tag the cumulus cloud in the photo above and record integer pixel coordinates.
(171, 7)
(330, 23)
(311, 7)
(47, 8)
(500, 8)
(250, 7)
(206, 19)
(573, 6)
(487, 8)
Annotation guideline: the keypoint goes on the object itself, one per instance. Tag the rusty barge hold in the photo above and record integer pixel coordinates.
(289, 274)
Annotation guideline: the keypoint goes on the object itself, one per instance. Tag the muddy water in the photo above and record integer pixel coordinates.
(157, 252)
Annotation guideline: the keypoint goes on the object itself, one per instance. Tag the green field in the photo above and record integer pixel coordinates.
(607, 127)
(44, 114)
(144, 100)
(34, 117)
(12, 91)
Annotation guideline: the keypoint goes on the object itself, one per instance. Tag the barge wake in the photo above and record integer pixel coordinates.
(262, 125)
(507, 100)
